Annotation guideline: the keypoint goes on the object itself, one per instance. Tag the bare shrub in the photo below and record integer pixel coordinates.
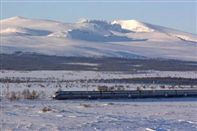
(30, 95)
(120, 88)
(110, 103)
(29, 85)
(46, 109)
(171, 87)
(25, 94)
(162, 86)
(112, 88)
(13, 96)
(85, 105)
(138, 88)
(102, 88)
(34, 95)
(41, 85)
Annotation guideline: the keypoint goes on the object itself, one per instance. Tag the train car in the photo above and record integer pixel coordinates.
(62, 95)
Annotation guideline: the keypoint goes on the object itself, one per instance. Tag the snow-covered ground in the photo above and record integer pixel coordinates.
(97, 115)
(51, 81)
(74, 75)
(45, 114)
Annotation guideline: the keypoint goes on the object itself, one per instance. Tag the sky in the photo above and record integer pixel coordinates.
(177, 14)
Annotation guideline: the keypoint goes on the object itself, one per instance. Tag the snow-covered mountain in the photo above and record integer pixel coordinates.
(96, 38)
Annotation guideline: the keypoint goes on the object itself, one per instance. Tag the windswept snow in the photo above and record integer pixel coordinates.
(24, 31)
(110, 115)
(12, 30)
(186, 38)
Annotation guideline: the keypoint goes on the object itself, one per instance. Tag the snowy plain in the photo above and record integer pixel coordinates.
(99, 115)
(50, 81)
(73, 75)
(172, 114)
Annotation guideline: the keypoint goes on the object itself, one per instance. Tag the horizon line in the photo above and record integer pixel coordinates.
(99, 1)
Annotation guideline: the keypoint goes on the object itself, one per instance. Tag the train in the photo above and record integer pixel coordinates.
(123, 94)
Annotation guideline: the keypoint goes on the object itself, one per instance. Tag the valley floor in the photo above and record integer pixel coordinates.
(45, 114)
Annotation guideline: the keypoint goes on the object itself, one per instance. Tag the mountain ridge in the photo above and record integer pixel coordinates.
(96, 38)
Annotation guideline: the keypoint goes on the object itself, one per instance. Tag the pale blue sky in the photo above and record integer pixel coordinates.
(175, 14)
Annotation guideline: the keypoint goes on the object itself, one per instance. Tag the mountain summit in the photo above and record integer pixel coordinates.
(96, 38)
(133, 25)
